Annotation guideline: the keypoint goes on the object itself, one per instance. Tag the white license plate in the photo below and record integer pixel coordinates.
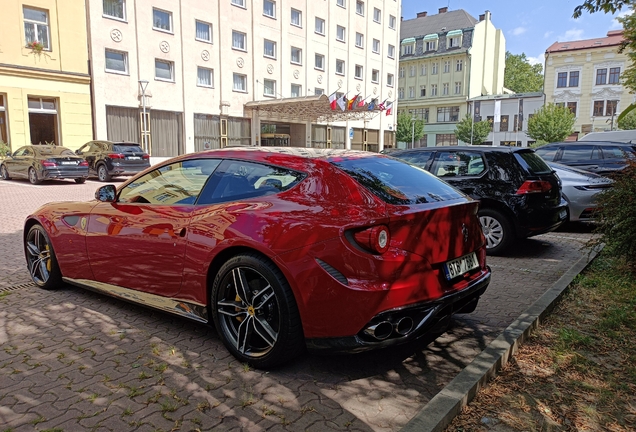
(459, 266)
(69, 163)
(134, 157)
(562, 214)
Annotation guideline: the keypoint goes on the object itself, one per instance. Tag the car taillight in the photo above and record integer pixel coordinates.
(49, 163)
(534, 186)
(375, 239)
(83, 163)
(146, 156)
(116, 156)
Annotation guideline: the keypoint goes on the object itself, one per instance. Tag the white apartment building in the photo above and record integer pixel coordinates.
(210, 74)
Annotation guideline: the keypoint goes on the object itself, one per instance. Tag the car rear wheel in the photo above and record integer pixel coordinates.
(4, 173)
(497, 230)
(41, 260)
(80, 180)
(102, 173)
(255, 312)
(33, 176)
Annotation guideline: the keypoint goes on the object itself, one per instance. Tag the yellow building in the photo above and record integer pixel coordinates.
(584, 75)
(44, 76)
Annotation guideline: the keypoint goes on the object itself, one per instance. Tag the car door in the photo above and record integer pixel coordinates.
(88, 153)
(462, 169)
(580, 156)
(14, 161)
(139, 241)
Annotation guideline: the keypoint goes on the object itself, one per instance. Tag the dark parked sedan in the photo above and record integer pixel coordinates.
(599, 157)
(44, 162)
(107, 159)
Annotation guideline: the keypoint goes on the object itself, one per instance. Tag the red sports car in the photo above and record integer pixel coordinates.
(283, 249)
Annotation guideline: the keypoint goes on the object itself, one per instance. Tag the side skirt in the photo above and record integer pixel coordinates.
(191, 311)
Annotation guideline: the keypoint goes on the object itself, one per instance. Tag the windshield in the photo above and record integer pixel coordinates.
(397, 182)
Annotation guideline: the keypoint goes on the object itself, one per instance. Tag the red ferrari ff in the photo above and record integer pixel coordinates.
(283, 249)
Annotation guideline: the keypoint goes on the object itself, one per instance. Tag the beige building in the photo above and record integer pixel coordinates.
(209, 74)
(44, 79)
(584, 75)
(446, 59)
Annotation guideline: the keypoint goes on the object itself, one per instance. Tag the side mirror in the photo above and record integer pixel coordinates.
(77, 152)
(106, 193)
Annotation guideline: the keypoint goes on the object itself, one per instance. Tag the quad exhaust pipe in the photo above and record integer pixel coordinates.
(384, 329)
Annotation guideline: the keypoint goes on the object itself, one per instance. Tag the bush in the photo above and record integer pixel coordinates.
(4, 148)
(616, 216)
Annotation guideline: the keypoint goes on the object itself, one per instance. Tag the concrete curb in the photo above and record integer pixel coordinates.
(447, 404)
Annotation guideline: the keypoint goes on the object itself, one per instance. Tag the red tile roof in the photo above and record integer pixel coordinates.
(613, 38)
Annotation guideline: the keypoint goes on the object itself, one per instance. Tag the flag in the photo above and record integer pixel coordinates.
(352, 102)
(389, 107)
(361, 103)
(342, 102)
(381, 105)
(332, 100)
(371, 105)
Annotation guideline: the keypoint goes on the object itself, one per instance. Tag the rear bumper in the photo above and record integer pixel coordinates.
(71, 173)
(427, 318)
(541, 220)
(123, 170)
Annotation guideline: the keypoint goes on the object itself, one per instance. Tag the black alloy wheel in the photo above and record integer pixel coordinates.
(33, 176)
(102, 173)
(41, 261)
(255, 312)
(4, 173)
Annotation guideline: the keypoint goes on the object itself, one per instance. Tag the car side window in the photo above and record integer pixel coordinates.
(458, 164)
(177, 183)
(417, 158)
(19, 152)
(573, 153)
(613, 152)
(547, 153)
(236, 180)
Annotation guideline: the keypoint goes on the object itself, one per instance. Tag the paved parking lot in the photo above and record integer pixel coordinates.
(75, 360)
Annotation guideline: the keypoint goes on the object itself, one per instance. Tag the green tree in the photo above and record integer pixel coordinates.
(607, 6)
(472, 132)
(628, 122)
(407, 131)
(551, 123)
(520, 76)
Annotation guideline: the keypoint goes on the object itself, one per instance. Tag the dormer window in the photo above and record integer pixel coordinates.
(430, 42)
(408, 46)
(454, 39)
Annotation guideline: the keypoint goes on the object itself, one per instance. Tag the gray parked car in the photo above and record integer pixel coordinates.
(579, 189)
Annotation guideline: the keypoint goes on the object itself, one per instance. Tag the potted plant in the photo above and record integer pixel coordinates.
(35, 46)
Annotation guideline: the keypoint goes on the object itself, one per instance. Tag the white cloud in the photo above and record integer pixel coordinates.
(519, 31)
(615, 24)
(547, 34)
(571, 35)
(540, 59)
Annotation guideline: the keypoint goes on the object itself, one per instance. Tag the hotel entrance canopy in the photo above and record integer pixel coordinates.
(310, 108)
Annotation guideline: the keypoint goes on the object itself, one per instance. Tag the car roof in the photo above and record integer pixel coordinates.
(503, 149)
(588, 143)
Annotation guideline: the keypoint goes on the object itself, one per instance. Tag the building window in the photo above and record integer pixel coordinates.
(392, 22)
(116, 61)
(574, 79)
(599, 106)
(359, 40)
(115, 9)
(572, 107)
(269, 49)
(423, 70)
(319, 62)
(446, 140)
(375, 76)
(239, 40)
(269, 88)
(205, 77)
(4, 136)
(296, 55)
(43, 120)
(412, 70)
(601, 76)
(407, 49)
(503, 123)
(269, 8)
(377, 15)
(610, 107)
(433, 89)
(340, 67)
(320, 26)
(296, 18)
(376, 46)
(240, 3)
(422, 91)
(203, 32)
(614, 75)
(400, 93)
(411, 92)
(359, 72)
(318, 91)
(341, 3)
(389, 80)
(161, 20)
(447, 114)
(431, 45)
(239, 83)
(401, 72)
(458, 87)
(491, 121)
(164, 70)
(562, 79)
(459, 65)
(391, 51)
(296, 90)
(340, 33)
(454, 41)
(360, 7)
(36, 26)
(434, 68)
(446, 66)
(444, 89)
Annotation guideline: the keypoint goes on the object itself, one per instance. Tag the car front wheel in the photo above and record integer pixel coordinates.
(41, 260)
(497, 230)
(255, 312)
(4, 173)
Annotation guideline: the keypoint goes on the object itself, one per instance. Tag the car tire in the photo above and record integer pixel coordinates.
(497, 229)
(102, 173)
(4, 173)
(41, 260)
(33, 176)
(80, 180)
(255, 312)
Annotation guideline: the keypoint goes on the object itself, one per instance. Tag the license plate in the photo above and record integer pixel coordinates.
(459, 266)
(134, 157)
(69, 163)
(563, 214)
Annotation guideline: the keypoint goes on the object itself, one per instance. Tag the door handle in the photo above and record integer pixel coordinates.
(182, 233)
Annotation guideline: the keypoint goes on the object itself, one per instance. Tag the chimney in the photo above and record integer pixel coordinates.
(482, 17)
(421, 14)
(443, 10)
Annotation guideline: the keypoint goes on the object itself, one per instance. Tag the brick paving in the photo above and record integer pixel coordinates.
(74, 360)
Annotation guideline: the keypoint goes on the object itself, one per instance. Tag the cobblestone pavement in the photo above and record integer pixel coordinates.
(74, 360)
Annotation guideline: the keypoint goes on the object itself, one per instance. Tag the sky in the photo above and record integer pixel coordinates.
(529, 27)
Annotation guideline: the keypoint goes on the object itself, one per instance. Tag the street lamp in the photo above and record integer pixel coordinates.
(143, 84)
(413, 132)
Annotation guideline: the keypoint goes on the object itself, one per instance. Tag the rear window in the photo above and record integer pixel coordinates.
(55, 151)
(127, 149)
(533, 163)
(397, 182)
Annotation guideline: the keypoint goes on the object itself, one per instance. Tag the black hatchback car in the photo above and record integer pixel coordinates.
(599, 157)
(107, 159)
(519, 194)
(44, 162)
